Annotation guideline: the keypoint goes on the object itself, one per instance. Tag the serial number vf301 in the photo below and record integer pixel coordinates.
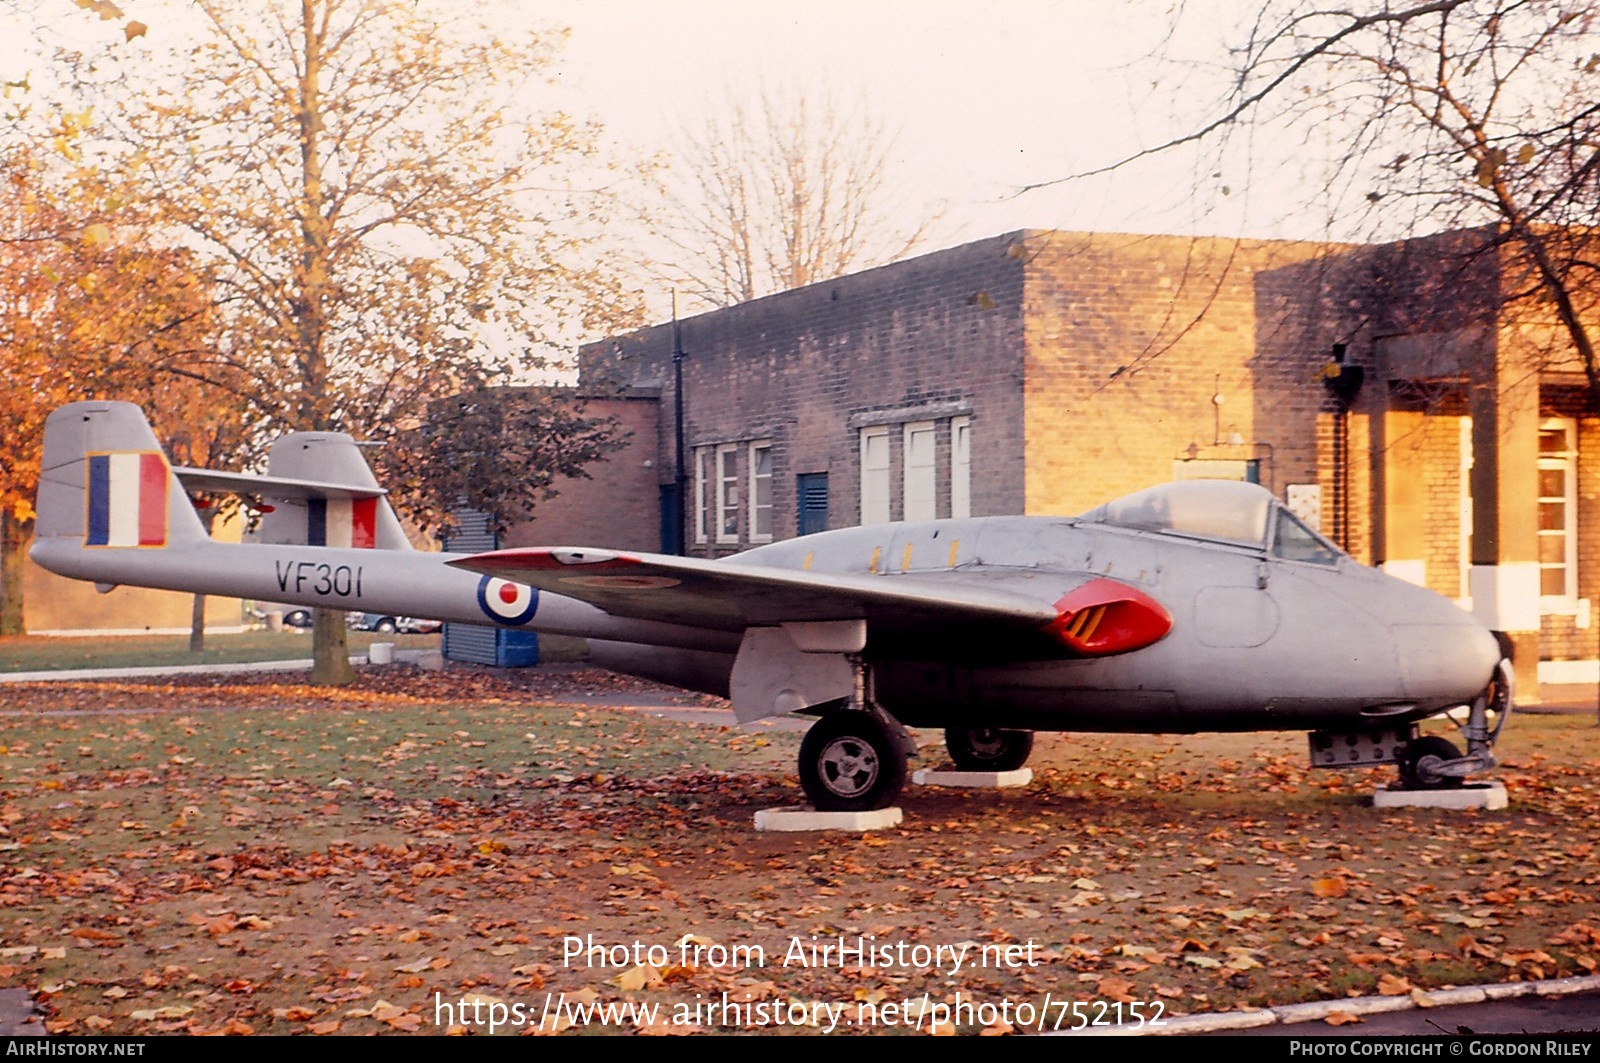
(1198, 606)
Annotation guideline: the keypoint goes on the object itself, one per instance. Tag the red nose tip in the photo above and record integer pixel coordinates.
(1103, 617)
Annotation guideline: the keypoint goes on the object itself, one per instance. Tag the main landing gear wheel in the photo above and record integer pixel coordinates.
(1420, 761)
(851, 761)
(988, 748)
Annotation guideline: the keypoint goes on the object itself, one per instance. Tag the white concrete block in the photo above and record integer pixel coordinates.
(1486, 795)
(987, 780)
(802, 819)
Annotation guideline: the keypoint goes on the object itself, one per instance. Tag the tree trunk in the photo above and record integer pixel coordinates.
(197, 625)
(330, 650)
(197, 615)
(14, 536)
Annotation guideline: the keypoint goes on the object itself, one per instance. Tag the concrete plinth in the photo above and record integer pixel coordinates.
(985, 780)
(800, 819)
(1490, 796)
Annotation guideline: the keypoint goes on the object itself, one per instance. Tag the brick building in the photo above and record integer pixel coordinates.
(1044, 372)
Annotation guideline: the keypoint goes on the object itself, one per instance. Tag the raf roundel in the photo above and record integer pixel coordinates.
(505, 602)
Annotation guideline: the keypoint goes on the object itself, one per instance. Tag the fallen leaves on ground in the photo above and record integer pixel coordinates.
(251, 855)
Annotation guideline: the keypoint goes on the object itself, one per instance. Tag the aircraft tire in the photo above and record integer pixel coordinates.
(1417, 763)
(850, 761)
(988, 748)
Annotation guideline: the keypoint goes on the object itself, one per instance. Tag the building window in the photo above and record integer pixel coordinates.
(921, 482)
(1558, 540)
(727, 493)
(761, 492)
(961, 467)
(875, 475)
(702, 494)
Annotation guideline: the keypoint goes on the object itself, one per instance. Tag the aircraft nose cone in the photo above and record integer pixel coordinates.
(1447, 656)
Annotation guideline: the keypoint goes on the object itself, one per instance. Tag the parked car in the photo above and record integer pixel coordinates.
(295, 616)
(405, 625)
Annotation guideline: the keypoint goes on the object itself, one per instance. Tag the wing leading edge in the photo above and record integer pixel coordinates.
(1089, 616)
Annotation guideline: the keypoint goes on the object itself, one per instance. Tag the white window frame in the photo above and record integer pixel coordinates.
(702, 499)
(727, 492)
(760, 512)
(1567, 464)
(875, 501)
(961, 467)
(919, 495)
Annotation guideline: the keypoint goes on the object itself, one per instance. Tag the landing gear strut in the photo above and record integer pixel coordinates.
(988, 748)
(854, 758)
(1430, 762)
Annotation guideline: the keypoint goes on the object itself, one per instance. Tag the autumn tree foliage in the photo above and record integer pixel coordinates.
(382, 212)
(778, 191)
(87, 309)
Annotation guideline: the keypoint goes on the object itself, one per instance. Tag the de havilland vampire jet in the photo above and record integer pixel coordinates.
(1195, 606)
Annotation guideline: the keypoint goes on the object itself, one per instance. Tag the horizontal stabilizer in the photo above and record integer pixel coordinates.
(240, 483)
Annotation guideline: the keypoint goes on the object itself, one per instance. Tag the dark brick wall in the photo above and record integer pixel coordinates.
(930, 338)
(618, 503)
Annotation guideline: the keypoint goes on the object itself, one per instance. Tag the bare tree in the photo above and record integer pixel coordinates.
(1442, 114)
(781, 192)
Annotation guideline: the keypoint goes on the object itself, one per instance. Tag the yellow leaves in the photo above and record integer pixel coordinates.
(134, 29)
(228, 922)
(294, 1014)
(389, 1014)
(96, 234)
(107, 11)
(1391, 985)
(1242, 959)
(1117, 989)
(1342, 1018)
(427, 963)
(643, 976)
(1330, 888)
(171, 1011)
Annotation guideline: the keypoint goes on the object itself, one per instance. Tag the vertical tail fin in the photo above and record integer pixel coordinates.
(358, 517)
(105, 482)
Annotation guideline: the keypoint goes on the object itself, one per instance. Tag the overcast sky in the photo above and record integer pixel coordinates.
(988, 97)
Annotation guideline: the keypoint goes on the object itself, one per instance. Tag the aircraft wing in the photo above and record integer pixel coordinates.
(949, 609)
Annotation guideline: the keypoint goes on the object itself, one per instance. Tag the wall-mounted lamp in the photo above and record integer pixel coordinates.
(1342, 381)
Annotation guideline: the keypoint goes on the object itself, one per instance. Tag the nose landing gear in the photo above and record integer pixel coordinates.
(1429, 762)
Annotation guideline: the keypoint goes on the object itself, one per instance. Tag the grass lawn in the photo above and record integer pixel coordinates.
(251, 855)
(37, 653)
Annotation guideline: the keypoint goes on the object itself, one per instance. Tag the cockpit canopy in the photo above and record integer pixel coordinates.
(1223, 511)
